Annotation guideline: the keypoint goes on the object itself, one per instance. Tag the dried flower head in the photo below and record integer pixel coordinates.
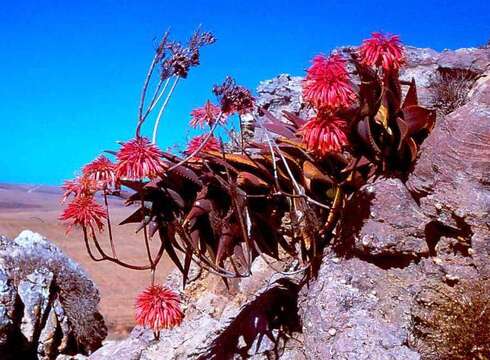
(211, 145)
(139, 159)
(84, 211)
(182, 58)
(324, 134)
(234, 98)
(102, 171)
(327, 84)
(382, 50)
(80, 186)
(206, 114)
(158, 308)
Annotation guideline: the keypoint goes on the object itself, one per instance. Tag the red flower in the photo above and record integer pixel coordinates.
(102, 171)
(324, 134)
(206, 115)
(211, 145)
(327, 85)
(138, 159)
(80, 186)
(84, 211)
(158, 308)
(384, 51)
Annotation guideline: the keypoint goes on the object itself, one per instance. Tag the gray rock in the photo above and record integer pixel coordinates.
(48, 305)
(282, 93)
(8, 296)
(382, 220)
(34, 292)
(46, 348)
(355, 310)
(423, 63)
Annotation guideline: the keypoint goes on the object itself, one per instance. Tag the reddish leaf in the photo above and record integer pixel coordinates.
(411, 97)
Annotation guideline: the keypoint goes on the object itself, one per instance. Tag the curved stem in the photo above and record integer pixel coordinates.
(104, 256)
(162, 109)
(154, 103)
(109, 227)
(156, 97)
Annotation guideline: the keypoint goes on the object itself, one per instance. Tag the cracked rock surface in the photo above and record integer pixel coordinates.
(48, 305)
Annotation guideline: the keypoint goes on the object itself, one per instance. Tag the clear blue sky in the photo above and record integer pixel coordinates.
(71, 71)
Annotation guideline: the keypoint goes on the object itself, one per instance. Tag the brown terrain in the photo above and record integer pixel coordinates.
(37, 208)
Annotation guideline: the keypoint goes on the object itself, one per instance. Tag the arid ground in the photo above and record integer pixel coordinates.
(37, 208)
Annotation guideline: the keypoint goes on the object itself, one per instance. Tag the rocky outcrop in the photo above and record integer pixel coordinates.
(48, 305)
(397, 238)
(451, 178)
(356, 310)
(400, 239)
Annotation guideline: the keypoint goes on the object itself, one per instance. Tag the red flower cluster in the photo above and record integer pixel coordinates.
(102, 171)
(84, 211)
(158, 308)
(211, 145)
(327, 87)
(324, 134)
(80, 186)
(327, 84)
(382, 50)
(206, 114)
(139, 159)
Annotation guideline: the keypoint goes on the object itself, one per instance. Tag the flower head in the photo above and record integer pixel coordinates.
(102, 171)
(158, 308)
(324, 134)
(206, 114)
(382, 50)
(327, 85)
(211, 145)
(138, 159)
(84, 211)
(234, 98)
(80, 186)
(182, 58)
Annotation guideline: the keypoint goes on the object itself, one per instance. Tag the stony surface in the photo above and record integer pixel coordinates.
(357, 310)
(451, 178)
(385, 223)
(48, 305)
(282, 93)
(422, 65)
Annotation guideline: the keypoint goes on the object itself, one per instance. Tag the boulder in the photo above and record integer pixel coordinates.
(48, 305)
(382, 222)
(356, 310)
